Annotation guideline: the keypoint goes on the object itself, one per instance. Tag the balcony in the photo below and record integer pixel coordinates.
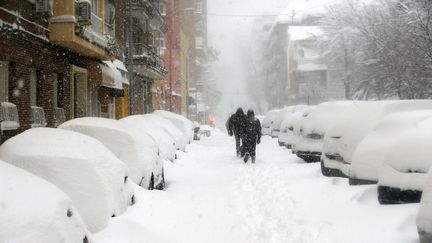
(147, 62)
(65, 31)
(95, 32)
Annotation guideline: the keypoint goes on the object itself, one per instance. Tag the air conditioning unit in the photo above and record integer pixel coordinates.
(84, 12)
(44, 6)
(8, 116)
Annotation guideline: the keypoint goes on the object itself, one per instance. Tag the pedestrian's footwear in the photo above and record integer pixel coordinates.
(246, 158)
(253, 159)
(239, 154)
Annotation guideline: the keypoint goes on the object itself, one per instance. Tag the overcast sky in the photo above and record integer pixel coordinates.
(231, 35)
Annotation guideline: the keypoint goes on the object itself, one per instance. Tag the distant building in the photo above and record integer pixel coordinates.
(310, 80)
(292, 62)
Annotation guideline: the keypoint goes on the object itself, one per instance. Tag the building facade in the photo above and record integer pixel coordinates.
(63, 59)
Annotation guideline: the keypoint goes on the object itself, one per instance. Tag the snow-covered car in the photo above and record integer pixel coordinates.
(34, 210)
(275, 127)
(139, 125)
(268, 121)
(286, 134)
(138, 151)
(344, 135)
(406, 165)
(82, 167)
(370, 155)
(205, 130)
(181, 122)
(424, 215)
(170, 129)
(313, 128)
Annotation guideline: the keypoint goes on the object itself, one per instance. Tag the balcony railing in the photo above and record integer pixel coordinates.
(109, 30)
(59, 116)
(94, 32)
(38, 117)
(145, 54)
(8, 116)
(96, 24)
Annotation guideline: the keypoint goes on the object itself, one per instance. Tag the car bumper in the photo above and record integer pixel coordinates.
(308, 156)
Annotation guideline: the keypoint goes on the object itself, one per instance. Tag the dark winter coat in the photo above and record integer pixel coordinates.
(252, 131)
(236, 123)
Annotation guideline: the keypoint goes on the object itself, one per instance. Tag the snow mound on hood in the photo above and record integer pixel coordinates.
(138, 152)
(79, 165)
(33, 210)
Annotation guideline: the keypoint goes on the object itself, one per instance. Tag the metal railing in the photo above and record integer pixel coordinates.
(38, 117)
(109, 29)
(96, 24)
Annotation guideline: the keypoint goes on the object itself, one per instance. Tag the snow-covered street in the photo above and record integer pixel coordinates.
(212, 196)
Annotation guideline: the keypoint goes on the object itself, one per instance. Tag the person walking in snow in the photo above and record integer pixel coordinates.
(235, 126)
(251, 137)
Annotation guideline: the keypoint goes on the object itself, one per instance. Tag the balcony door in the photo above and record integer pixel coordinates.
(79, 99)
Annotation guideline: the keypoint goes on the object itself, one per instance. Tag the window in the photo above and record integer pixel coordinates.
(94, 7)
(4, 81)
(93, 101)
(162, 9)
(55, 89)
(33, 87)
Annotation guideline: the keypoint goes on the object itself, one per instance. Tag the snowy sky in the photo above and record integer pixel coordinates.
(231, 35)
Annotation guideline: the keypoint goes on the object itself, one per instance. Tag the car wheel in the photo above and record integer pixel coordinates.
(161, 185)
(151, 183)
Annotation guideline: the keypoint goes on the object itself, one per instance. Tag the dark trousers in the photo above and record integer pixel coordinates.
(249, 146)
(238, 141)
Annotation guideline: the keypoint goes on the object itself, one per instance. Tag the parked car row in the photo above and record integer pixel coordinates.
(63, 184)
(369, 142)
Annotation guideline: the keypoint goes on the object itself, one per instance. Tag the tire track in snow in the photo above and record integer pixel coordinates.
(269, 212)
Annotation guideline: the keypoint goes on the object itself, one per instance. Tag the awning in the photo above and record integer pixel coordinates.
(120, 65)
(111, 76)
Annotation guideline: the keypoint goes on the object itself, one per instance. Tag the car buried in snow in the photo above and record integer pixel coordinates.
(268, 121)
(344, 135)
(82, 167)
(179, 140)
(138, 124)
(424, 215)
(182, 123)
(138, 151)
(406, 165)
(313, 128)
(34, 210)
(370, 155)
(286, 136)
